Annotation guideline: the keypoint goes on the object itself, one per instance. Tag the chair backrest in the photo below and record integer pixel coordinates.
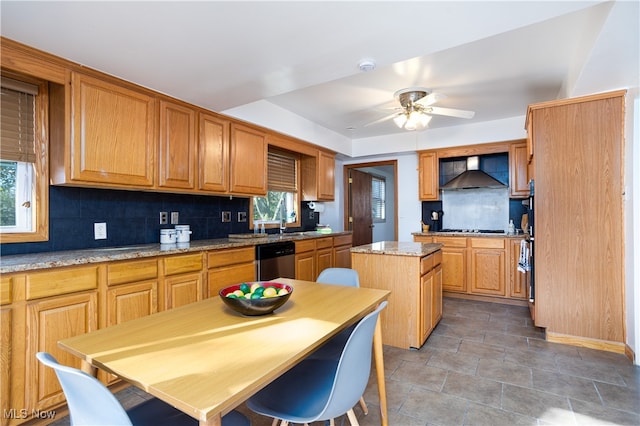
(341, 276)
(89, 401)
(354, 367)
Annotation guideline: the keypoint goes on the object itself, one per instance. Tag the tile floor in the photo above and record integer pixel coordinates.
(485, 364)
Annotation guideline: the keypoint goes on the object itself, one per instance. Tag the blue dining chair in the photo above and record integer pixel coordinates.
(333, 348)
(320, 389)
(340, 276)
(92, 403)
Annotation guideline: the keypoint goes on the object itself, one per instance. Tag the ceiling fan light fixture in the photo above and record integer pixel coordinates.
(400, 120)
(424, 120)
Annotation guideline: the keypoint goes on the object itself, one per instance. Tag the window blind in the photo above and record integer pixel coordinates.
(378, 198)
(17, 121)
(281, 175)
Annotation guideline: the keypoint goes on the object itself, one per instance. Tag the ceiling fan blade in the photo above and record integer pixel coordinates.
(459, 113)
(380, 120)
(430, 99)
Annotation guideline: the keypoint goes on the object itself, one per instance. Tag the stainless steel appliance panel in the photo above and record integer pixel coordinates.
(275, 260)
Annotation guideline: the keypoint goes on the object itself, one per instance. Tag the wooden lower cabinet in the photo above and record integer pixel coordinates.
(130, 301)
(342, 251)
(48, 321)
(183, 280)
(415, 303)
(426, 313)
(230, 266)
(480, 266)
(436, 296)
(132, 290)
(305, 259)
(182, 289)
(517, 280)
(488, 271)
(324, 254)
(315, 255)
(454, 263)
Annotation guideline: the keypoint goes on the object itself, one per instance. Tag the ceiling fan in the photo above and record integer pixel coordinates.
(416, 109)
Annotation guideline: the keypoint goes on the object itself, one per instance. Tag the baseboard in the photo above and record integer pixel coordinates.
(493, 299)
(585, 342)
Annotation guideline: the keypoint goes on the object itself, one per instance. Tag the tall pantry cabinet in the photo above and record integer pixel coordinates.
(577, 157)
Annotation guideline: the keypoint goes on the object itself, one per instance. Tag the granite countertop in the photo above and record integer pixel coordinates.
(34, 261)
(467, 234)
(397, 248)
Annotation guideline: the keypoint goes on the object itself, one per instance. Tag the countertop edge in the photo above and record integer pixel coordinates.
(395, 248)
(465, 234)
(55, 259)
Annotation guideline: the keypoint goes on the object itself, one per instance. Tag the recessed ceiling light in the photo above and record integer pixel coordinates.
(367, 65)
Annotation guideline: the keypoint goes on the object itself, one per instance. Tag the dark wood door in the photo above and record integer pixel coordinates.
(362, 225)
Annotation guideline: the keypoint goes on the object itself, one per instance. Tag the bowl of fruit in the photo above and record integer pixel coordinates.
(256, 298)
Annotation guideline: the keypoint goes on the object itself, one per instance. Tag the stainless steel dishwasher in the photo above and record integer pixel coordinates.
(275, 260)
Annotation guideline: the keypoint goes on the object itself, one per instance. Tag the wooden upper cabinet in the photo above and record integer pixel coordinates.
(529, 128)
(518, 170)
(112, 136)
(318, 176)
(213, 158)
(326, 176)
(248, 160)
(428, 172)
(177, 149)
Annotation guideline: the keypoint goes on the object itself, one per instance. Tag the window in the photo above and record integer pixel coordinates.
(378, 207)
(281, 202)
(23, 164)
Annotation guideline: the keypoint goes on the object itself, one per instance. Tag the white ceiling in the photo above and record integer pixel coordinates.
(494, 58)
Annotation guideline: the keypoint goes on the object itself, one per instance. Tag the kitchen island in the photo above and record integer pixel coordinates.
(413, 273)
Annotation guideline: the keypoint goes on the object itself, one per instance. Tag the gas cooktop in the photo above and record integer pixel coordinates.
(475, 231)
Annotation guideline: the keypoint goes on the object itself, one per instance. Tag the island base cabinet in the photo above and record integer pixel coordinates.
(415, 303)
(426, 313)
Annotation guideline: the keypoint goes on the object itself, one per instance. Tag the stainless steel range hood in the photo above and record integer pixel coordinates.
(473, 177)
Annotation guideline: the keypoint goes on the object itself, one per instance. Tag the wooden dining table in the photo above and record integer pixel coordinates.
(205, 359)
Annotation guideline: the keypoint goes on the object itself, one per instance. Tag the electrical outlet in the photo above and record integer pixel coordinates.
(242, 216)
(164, 218)
(175, 216)
(100, 231)
(226, 216)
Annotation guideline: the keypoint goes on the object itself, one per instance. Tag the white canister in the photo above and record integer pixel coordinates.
(167, 236)
(183, 234)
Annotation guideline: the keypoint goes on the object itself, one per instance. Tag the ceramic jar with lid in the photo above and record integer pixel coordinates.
(183, 233)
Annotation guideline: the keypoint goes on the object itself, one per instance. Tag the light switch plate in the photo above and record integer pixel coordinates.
(175, 217)
(242, 216)
(226, 216)
(100, 231)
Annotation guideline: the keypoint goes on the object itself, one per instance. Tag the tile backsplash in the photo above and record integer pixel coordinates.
(132, 217)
